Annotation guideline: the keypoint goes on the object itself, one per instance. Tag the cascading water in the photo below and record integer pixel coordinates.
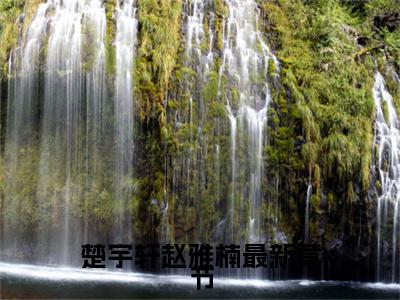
(21, 120)
(387, 141)
(244, 67)
(63, 139)
(70, 148)
(218, 99)
(125, 47)
(195, 33)
(189, 166)
(78, 169)
(307, 217)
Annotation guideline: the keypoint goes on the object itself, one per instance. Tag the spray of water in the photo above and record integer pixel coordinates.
(387, 141)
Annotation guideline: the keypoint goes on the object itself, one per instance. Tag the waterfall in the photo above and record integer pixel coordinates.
(240, 78)
(66, 135)
(394, 239)
(188, 173)
(307, 217)
(195, 32)
(72, 134)
(21, 120)
(387, 141)
(78, 169)
(244, 67)
(125, 47)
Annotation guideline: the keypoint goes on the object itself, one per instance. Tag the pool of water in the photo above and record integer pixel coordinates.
(29, 281)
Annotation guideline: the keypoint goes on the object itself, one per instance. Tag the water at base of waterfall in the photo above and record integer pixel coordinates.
(27, 281)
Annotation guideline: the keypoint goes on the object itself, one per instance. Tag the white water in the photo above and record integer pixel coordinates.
(90, 275)
(159, 283)
(307, 218)
(23, 76)
(84, 150)
(64, 139)
(188, 171)
(200, 61)
(245, 64)
(387, 140)
(125, 48)
(195, 33)
(395, 239)
(243, 89)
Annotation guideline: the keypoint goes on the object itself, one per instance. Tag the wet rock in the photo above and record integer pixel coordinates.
(21, 19)
(298, 144)
(390, 20)
(164, 206)
(363, 252)
(263, 239)
(335, 244)
(362, 40)
(281, 238)
(386, 249)
(218, 233)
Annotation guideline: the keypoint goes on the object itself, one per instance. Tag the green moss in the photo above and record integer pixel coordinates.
(271, 69)
(88, 51)
(110, 6)
(210, 90)
(319, 121)
(221, 12)
(9, 12)
(330, 90)
(159, 41)
(158, 45)
(325, 97)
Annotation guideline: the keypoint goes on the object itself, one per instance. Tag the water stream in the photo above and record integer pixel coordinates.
(69, 138)
(387, 141)
(244, 70)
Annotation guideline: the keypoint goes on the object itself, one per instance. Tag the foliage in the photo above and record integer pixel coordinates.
(320, 120)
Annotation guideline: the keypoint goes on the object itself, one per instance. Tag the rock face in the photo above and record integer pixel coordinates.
(291, 160)
(390, 20)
